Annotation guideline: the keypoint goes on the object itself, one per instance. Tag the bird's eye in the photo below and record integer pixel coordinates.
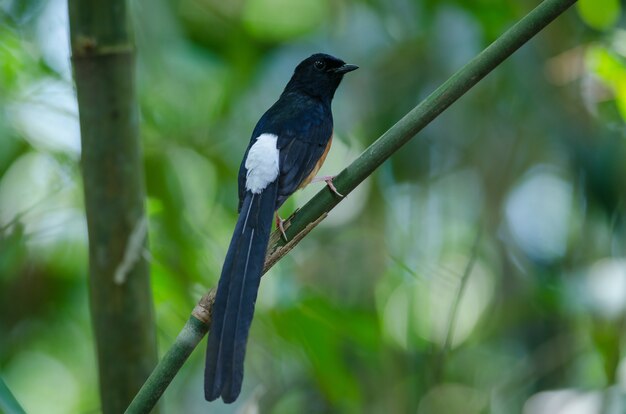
(319, 65)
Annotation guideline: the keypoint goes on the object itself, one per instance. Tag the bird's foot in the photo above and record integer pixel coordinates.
(280, 227)
(328, 179)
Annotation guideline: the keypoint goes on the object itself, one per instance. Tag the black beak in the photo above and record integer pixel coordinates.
(345, 68)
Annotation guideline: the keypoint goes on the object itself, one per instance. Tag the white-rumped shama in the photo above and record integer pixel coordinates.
(287, 148)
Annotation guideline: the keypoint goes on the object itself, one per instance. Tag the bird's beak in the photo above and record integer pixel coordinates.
(345, 68)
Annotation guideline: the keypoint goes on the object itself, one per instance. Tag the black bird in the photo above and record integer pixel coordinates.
(287, 148)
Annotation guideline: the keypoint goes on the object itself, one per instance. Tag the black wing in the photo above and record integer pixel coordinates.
(304, 126)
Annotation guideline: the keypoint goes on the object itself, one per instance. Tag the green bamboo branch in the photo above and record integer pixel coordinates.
(192, 333)
(8, 402)
(313, 212)
(122, 313)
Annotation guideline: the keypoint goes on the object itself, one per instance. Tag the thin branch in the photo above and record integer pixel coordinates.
(454, 310)
(304, 220)
(457, 301)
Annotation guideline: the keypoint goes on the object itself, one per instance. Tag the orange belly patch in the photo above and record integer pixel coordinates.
(318, 165)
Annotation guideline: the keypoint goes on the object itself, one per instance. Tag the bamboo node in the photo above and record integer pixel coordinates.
(204, 309)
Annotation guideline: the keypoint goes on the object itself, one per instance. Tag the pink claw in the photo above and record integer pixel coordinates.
(281, 228)
(328, 179)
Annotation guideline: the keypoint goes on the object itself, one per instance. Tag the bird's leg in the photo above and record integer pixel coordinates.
(328, 179)
(279, 225)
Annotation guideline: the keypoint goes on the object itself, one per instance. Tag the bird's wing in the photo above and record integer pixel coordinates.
(304, 128)
(297, 160)
(302, 143)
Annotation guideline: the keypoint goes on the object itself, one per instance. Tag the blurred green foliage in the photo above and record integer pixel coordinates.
(357, 317)
(601, 14)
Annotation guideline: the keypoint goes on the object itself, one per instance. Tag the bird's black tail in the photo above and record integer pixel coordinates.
(236, 295)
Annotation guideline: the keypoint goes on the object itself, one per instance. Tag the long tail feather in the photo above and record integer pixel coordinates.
(236, 296)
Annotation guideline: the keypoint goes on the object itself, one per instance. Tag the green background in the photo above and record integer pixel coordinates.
(529, 167)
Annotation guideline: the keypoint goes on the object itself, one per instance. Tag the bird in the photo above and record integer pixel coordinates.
(287, 148)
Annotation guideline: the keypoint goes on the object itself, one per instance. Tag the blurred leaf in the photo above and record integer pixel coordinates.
(12, 251)
(599, 14)
(333, 339)
(607, 338)
(611, 68)
(453, 399)
(22, 11)
(11, 61)
(282, 19)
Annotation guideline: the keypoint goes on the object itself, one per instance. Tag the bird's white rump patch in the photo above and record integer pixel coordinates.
(262, 163)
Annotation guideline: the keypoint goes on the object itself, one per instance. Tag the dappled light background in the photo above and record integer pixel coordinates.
(481, 269)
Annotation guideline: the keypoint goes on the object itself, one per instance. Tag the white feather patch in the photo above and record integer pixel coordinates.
(262, 163)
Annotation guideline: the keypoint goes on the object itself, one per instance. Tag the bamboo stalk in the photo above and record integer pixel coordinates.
(302, 222)
(120, 296)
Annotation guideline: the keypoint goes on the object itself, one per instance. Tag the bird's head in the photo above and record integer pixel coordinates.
(319, 75)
